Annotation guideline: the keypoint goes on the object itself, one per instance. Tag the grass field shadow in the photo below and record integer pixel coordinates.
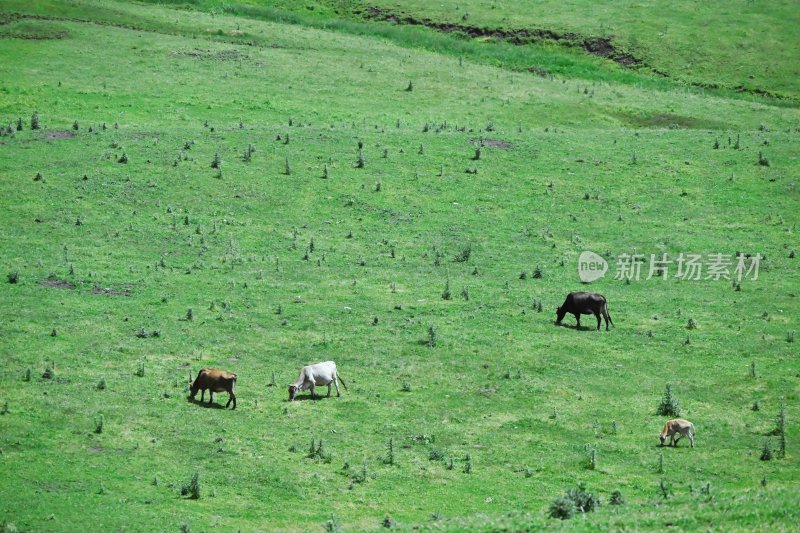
(205, 404)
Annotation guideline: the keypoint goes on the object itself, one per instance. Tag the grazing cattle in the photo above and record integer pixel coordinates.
(682, 427)
(214, 380)
(318, 374)
(584, 303)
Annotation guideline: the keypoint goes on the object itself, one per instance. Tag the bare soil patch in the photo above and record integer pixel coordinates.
(51, 135)
(56, 283)
(492, 143)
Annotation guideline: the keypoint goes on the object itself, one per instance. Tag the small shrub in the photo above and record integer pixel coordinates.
(123, 159)
(670, 406)
(435, 455)
(593, 459)
(98, 424)
(790, 337)
(325, 172)
(189, 315)
(388, 522)
(752, 369)
(13, 277)
(780, 430)
(562, 508)
(410, 86)
(762, 161)
(360, 161)
(477, 155)
(5, 410)
(766, 452)
(101, 385)
(691, 324)
(431, 336)
(332, 525)
(49, 372)
(217, 161)
(19, 123)
(716, 144)
(35, 121)
(663, 488)
(389, 459)
(537, 273)
(756, 406)
(465, 293)
(27, 375)
(660, 466)
(140, 369)
(406, 387)
(446, 292)
(75, 126)
(192, 490)
(616, 498)
(464, 254)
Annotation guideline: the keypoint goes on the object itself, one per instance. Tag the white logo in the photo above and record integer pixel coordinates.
(591, 267)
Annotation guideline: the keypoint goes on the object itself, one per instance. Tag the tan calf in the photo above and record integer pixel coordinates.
(682, 427)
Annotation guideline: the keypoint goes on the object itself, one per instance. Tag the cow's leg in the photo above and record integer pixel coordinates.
(691, 439)
(231, 398)
(672, 440)
(329, 390)
(678, 438)
(313, 396)
(597, 316)
(605, 316)
(210, 396)
(336, 384)
(202, 395)
(578, 320)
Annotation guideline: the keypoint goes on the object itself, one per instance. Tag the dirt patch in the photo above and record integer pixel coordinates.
(55, 283)
(117, 291)
(492, 143)
(50, 135)
(19, 27)
(600, 46)
(212, 55)
(670, 121)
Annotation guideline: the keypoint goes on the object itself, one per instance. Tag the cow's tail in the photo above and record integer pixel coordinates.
(605, 311)
(339, 377)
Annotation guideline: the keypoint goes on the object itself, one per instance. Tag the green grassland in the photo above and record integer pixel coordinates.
(282, 269)
(752, 45)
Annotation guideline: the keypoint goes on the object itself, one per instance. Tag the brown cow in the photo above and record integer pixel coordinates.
(214, 380)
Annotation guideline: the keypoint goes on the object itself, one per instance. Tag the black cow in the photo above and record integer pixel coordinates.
(584, 303)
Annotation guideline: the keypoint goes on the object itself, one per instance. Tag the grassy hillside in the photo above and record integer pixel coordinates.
(281, 266)
(742, 44)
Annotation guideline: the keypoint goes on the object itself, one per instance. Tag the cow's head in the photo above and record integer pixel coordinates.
(560, 312)
(662, 437)
(293, 391)
(192, 389)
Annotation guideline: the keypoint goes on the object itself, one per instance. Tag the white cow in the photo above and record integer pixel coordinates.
(318, 374)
